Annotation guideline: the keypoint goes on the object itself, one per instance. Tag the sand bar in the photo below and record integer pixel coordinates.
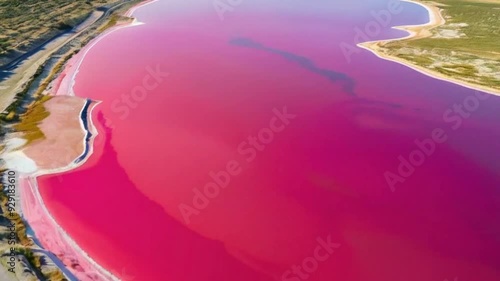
(416, 32)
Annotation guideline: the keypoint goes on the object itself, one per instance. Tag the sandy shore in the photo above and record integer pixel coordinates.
(63, 134)
(63, 143)
(63, 85)
(24, 72)
(421, 31)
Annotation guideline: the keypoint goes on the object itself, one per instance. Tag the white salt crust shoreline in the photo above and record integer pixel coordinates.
(66, 84)
(29, 183)
(65, 87)
(28, 171)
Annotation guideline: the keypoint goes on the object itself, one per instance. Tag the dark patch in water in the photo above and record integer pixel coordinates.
(349, 83)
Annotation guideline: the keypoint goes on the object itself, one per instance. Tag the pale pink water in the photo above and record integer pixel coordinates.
(323, 175)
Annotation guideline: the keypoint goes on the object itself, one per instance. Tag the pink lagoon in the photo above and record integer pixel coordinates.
(248, 145)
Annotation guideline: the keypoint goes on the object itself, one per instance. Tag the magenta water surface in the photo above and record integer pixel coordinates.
(310, 200)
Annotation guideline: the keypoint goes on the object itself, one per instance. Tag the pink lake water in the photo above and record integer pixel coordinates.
(321, 177)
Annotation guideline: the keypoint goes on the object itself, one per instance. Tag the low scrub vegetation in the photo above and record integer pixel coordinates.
(26, 24)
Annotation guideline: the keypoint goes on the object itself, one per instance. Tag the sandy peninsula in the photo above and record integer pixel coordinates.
(416, 32)
(64, 139)
(63, 142)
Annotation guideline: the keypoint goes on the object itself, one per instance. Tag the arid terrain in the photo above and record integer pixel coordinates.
(27, 24)
(36, 39)
(464, 47)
